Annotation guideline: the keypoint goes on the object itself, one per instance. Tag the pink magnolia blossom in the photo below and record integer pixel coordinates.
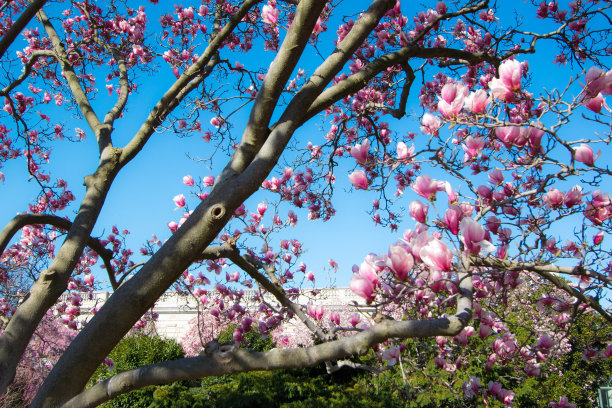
(596, 103)
(598, 238)
(362, 287)
(354, 319)
(597, 80)
(473, 147)
(208, 181)
(334, 317)
(430, 124)
(563, 403)
(474, 237)
(269, 13)
(359, 179)
(403, 152)
(453, 97)
(418, 211)
(509, 81)
(310, 276)
(584, 154)
(179, 200)
(452, 216)
(360, 151)
(573, 197)
(510, 136)
(400, 261)
(427, 187)
(554, 198)
(188, 180)
(436, 255)
(477, 102)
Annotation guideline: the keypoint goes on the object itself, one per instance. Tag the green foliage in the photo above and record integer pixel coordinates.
(309, 387)
(133, 352)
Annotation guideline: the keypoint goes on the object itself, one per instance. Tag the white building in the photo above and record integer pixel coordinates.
(175, 311)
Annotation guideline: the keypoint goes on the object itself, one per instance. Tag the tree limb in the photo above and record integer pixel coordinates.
(176, 93)
(547, 272)
(23, 20)
(21, 220)
(229, 360)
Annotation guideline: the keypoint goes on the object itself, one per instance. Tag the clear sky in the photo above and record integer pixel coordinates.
(141, 197)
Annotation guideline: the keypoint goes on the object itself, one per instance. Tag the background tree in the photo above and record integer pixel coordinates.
(514, 172)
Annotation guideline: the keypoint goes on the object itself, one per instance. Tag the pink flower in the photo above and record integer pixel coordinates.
(554, 198)
(400, 261)
(563, 403)
(360, 151)
(208, 181)
(477, 102)
(430, 124)
(473, 147)
(173, 226)
(510, 136)
(436, 255)
(595, 104)
(495, 388)
(597, 80)
(179, 200)
(598, 238)
(188, 180)
(269, 13)
(354, 319)
(216, 122)
(584, 154)
(316, 312)
(334, 317)
(573, 197)
(453, 97)
(452, 217)
(509, 80)
(474, 237)
(403, 152)
(510, 73)
(427, 187)
(362, 287)
(359, 179)
(418, 211)
(310, 276)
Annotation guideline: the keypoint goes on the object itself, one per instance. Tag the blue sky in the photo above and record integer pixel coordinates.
(141, 197)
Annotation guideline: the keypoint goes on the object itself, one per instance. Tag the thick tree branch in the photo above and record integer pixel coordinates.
(71, 78)
(23, 20)
(229, 360)
(356, 81)
(52, 282)
(21, 220)
(256, 130)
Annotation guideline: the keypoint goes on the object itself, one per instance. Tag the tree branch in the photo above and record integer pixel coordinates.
(23, 20)
(229, 360)
(256, 130)
(356, 81)
(71, 78)
(547, 272)
(188, 80)
(21, 220)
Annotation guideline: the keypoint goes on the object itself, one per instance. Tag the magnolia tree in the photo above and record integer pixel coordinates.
(512, 204)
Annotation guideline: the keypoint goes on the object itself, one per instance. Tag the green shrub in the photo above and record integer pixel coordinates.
(133, 352)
